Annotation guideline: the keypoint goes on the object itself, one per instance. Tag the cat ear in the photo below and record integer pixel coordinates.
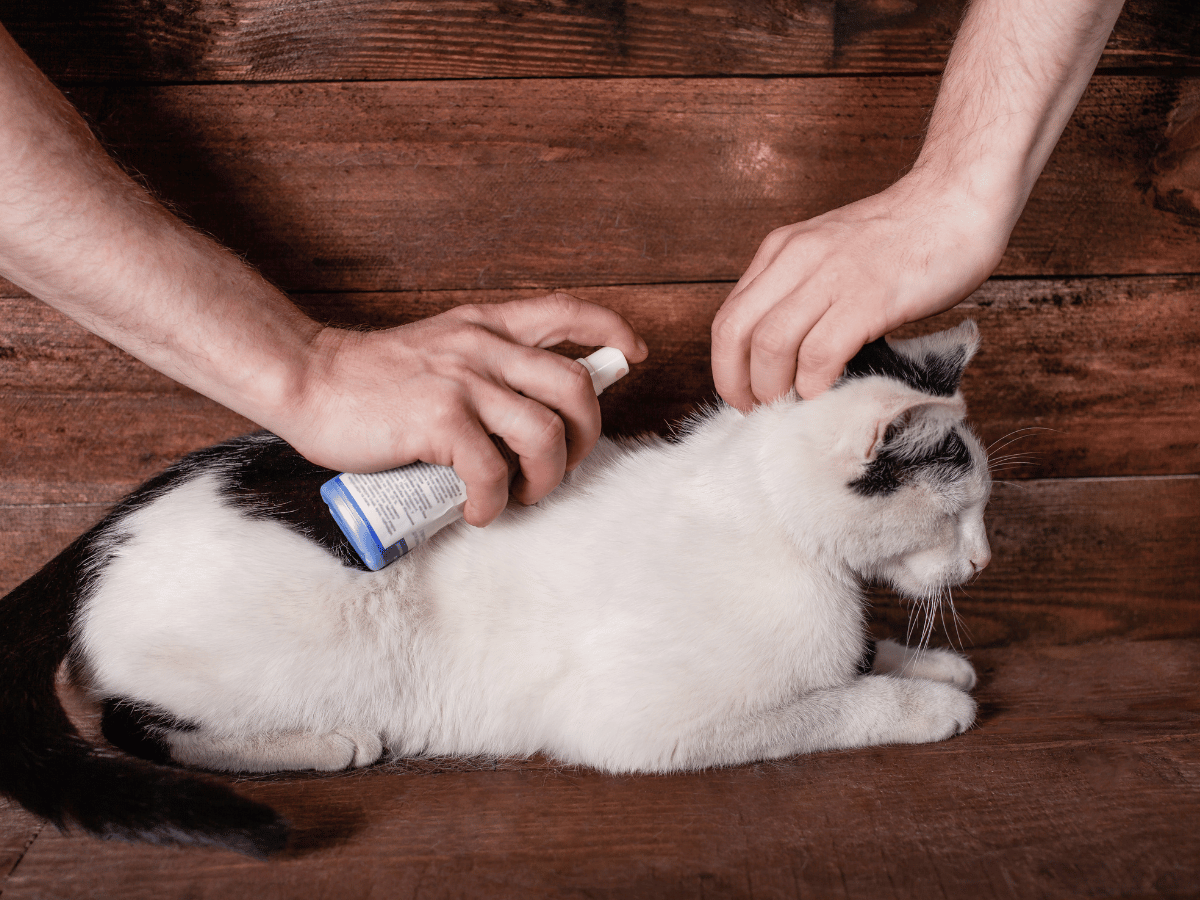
(912, 414)
(940, 358)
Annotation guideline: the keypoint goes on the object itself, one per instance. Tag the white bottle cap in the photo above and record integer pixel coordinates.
(606, 366)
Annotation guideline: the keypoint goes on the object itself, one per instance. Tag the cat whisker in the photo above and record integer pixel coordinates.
(959, 625)
(949, 601)
(1013, 456)
(932, 605)
(1017, 435)
(1007, 466)
(1016, 484)
(925, 608)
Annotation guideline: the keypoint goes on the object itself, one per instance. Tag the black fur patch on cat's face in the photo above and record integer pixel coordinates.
(944, 462)
(936, 375)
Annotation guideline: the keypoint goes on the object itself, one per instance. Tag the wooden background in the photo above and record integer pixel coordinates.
(382, 160)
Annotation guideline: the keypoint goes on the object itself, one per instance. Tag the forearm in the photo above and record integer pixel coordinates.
(78, 233)
(1014, 76)
(818, 290)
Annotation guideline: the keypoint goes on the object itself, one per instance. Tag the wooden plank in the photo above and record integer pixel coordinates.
(18, 830)
(1073, 560)
(1073, 370)
(358, 40)
(1082, 779)
(1077, 560)
(491, 184)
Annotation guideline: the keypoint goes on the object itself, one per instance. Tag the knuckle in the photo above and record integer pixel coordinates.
(550, 432)
(563, 304)
(493, 469)
(468, 312)
(772, 342)
(776, 240)
(579, 382)
(726, 329)
(447, 409)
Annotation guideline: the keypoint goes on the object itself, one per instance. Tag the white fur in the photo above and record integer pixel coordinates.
(671, 605)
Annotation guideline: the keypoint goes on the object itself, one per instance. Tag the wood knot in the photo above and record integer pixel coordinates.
(1175, 169)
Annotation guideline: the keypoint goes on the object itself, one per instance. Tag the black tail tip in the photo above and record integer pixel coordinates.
(259, 833)
(118, 798)
(262, 841)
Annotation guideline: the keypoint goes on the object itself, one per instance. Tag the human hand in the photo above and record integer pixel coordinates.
(435, 389)
(817, 291)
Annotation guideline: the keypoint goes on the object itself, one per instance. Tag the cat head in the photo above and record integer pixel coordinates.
(892, 481)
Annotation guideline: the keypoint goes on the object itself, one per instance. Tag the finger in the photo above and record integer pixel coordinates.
(830, 344)
(775, 343)
(546, 321)
(736, 325)
(535, 433)
(732, 331)
(561, 385)
(480, 465)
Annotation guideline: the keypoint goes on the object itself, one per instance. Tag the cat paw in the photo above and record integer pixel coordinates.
(933, 664)
(935, 711)
(275, 751)
(945, 666)
(363, 747)
(332, 752)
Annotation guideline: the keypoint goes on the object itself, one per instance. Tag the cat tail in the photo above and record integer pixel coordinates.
(47, 767)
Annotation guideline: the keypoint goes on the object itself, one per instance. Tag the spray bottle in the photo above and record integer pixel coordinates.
(385, 515)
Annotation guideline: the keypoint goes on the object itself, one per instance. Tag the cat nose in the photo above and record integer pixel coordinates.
(980, 560)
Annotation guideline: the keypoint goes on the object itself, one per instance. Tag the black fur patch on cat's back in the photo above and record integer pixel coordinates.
(935, 375)
(264, 478)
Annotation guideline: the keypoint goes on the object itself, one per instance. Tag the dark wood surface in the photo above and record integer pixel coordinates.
(1079, 781)
(361, 40)
(384, 160)
(545, 182)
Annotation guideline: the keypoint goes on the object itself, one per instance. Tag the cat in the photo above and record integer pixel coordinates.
(674, 604)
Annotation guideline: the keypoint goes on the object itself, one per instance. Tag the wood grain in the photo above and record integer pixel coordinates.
(1073, 371)
(1076, 560)
(18, 830)
(362, 40)
(633, 150)
(1082, 779)
(524, 183)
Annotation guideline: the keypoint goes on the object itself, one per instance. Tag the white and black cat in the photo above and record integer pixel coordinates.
(672, 605)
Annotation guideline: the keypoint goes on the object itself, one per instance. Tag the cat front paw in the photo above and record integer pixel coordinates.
(935, 711)
(934, 664)
(945, 666)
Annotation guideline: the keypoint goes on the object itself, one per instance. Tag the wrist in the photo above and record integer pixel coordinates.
(301, 394)
(976, 216)
(986, 195)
